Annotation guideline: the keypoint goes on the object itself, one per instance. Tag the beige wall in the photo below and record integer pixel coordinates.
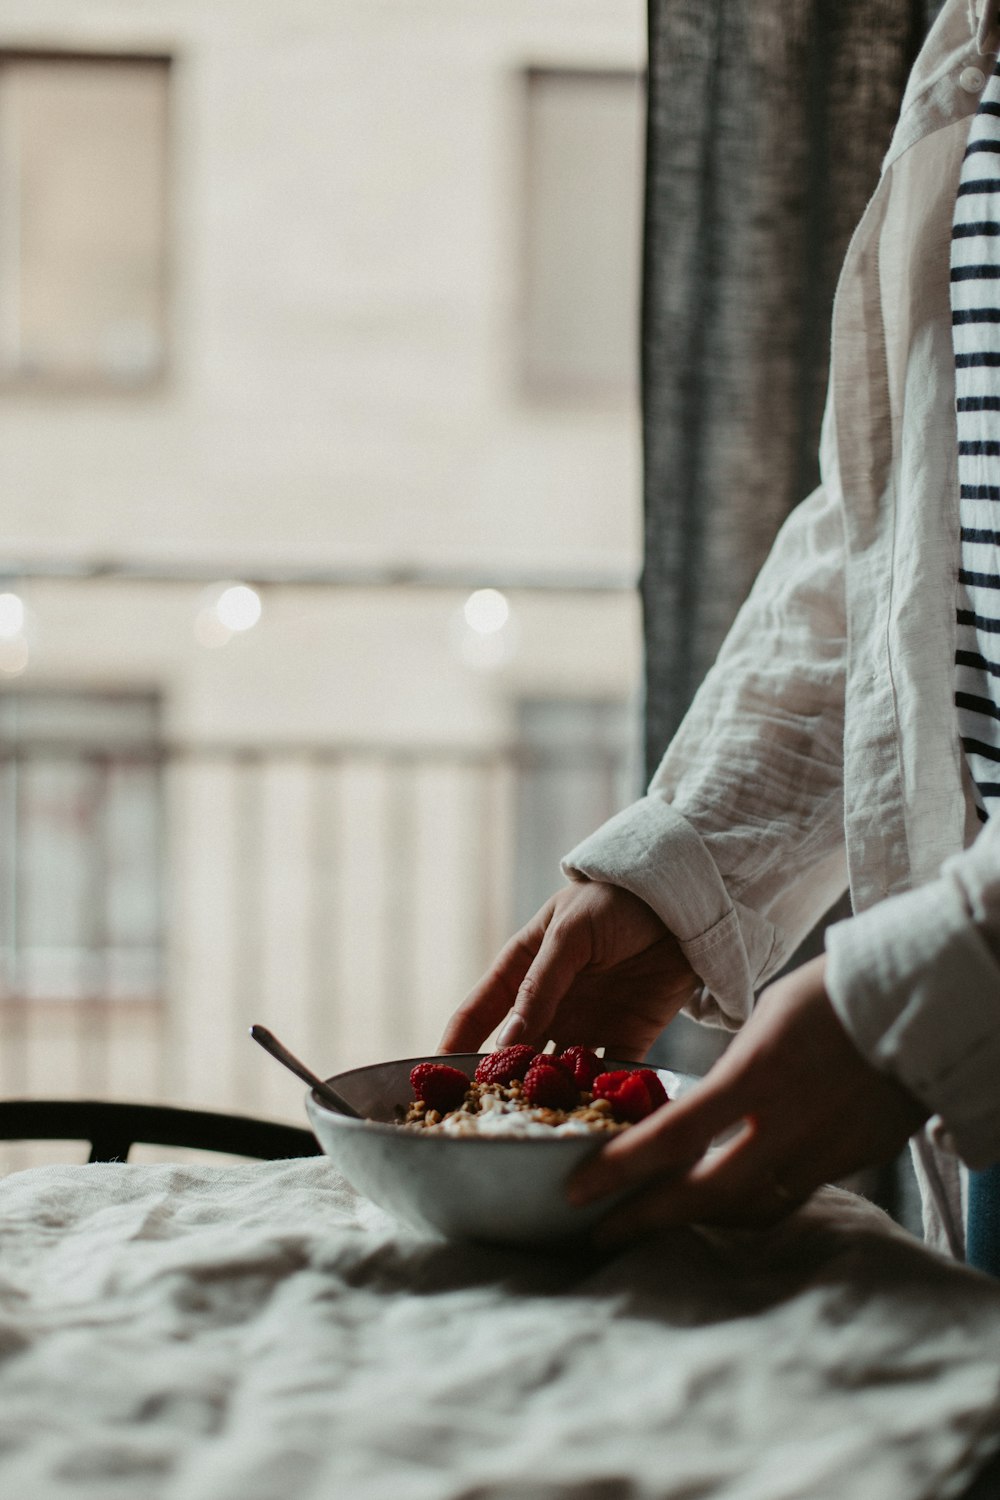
(357, 664)
(347, 187)
(344, 389)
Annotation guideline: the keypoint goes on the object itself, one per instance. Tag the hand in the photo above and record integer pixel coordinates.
(812, 1110)
(595, 966)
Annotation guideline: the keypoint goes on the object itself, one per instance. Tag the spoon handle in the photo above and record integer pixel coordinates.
(326, 1091)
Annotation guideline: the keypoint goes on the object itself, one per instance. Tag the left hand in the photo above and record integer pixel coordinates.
(811, 1108)
(596, 965)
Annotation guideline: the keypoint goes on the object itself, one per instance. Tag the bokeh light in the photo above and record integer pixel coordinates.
(226, 610)
(486, 611)
(238, 607)
(484, 631)
(13, 655)
(11, 616)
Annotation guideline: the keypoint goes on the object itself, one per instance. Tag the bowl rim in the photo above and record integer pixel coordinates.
(433, 1138)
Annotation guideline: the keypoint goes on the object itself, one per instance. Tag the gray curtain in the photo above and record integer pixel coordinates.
(768, 120)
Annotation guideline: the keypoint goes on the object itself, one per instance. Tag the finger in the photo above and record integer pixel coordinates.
(494, 995)
(666, 1142)
(653, 988)
(563, 953)
(746, 1184)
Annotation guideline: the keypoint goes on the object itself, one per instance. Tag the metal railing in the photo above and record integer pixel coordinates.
(347, 895)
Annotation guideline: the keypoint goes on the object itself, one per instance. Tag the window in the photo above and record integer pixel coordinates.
(83, 187)
(583, 232)
(579, 764)
(80, 863)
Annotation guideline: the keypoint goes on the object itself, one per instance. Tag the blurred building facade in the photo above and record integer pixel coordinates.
(335, 299)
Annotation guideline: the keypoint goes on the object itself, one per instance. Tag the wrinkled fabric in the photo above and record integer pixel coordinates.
(822, 748)
(248, 1333)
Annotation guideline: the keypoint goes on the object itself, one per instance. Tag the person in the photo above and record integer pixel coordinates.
(824, 750)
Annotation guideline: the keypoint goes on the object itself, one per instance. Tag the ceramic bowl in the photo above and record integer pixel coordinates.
(507, 1190)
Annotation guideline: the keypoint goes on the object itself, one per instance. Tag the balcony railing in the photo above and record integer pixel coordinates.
(348, 896)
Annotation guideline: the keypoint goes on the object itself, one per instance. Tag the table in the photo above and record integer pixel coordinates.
(260, 1332)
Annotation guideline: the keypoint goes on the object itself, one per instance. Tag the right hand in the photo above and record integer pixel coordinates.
(595, 966)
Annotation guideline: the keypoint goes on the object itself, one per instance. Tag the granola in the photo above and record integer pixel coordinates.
(499, 1109)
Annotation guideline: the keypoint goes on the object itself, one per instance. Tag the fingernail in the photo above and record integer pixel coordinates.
(510, 1030)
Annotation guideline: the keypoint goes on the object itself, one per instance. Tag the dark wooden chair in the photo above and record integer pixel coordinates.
(113, 1129)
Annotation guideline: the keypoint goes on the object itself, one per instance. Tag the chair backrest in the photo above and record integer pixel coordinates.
(113, 1129)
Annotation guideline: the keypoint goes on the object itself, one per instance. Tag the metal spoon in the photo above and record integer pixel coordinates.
(326, 1091)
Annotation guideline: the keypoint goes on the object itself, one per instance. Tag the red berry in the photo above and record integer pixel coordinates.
(582, 1063)
(605, 1084)
(632, 1101)
(654, 1087)
(506, 1064)
(548, 1085)
(440, 1087)
(632, 1095)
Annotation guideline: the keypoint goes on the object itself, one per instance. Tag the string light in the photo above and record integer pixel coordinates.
(14, 650)
(11, 616)
(238, 607)
(486, 611)
(484, 631)
(228, 609)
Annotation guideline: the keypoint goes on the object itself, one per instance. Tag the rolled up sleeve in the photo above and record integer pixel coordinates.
(916, 982)
(739, 843)
(653, 851)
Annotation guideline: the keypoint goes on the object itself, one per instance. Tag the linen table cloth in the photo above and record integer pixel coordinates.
(260, 1331)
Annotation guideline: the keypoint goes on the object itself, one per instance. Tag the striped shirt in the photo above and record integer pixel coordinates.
(975, 302)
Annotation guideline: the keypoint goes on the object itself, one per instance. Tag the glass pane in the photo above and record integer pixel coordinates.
(84, 194)
(80, 792)
(57, 827)
(131, 833)
(584, 192)
(8, 889)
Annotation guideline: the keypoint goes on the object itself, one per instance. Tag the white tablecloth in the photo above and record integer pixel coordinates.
(259, 1333)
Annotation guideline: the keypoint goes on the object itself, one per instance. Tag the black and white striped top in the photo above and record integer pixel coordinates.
(975, 303)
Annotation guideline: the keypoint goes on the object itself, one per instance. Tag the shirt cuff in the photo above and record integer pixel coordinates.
(652, 850)
(918, 992)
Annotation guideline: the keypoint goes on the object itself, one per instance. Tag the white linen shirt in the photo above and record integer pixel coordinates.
(822, 749)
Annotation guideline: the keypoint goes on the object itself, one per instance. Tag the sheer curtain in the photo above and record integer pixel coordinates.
(768, 120)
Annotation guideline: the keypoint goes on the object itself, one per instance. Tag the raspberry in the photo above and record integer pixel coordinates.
(632, 1095)
(505, 1065)
(440, 1087)
(606, 1083)
(582, 1063)
(657, 1093)
(548, 1084)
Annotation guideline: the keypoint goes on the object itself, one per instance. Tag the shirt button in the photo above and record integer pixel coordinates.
(972, 79)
